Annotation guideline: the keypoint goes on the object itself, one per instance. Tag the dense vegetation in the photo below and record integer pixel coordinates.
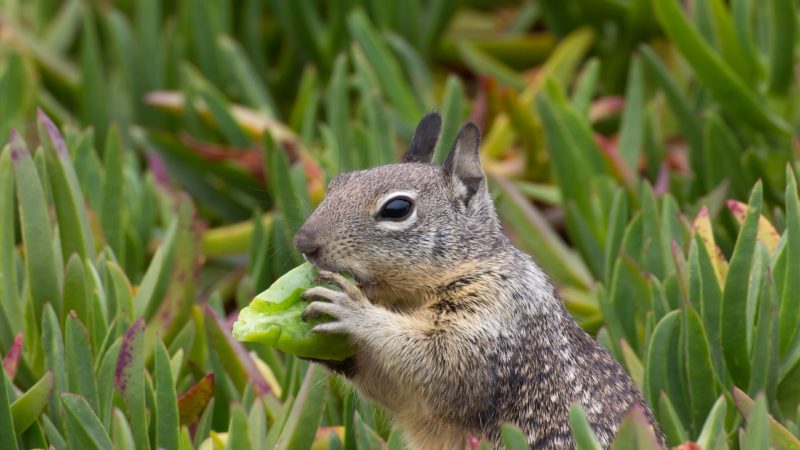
(645, 153)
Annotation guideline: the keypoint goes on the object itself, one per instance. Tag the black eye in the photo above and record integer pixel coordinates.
(397, 208)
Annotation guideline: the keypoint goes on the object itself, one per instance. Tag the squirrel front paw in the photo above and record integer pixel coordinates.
(346, 307)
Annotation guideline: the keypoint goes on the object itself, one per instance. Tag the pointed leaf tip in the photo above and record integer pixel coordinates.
(53, 133)
(11, 360)
(26, 408)
(193, 402)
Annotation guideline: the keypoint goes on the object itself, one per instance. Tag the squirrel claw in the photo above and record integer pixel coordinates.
(309, 314)
(330, 328)
(318, 309)
(326, 276)
(323, 294)
(347, 286)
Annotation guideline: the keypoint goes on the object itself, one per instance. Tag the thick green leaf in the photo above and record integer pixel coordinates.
(40, 259)
(219, 108)
(670, 422)
(437, 14)
(88, 169)
(80, 364)
(255, 91)
(105, 381)
(386, 67)
(721, 157)
(129, 380)
(93, 101)
(167, 427)
(699, 369)
(565, 152)
(11, 306)
(306, 413)
(535, 235)
(257, 424)
(632, 363)
(454, 109)
(663, 337)
(484, 64)
(121, 432)
(585, 86)
(366, 437)
(396, 440)
(84, 428)
(238, 433)
(304, 31)
(120, 291)
(734, 321)
(54, 436)
(342, 155)
(757, 435)
(154, 283)
(711, 305)
(789, 311)
(26, 408)
(238, 363)
(629, 286)
(53, 348)
(582, 432)
(727, 41)
(73, 221)
(112, 212)
(185, 440)
(784, 36)
(527, 128)
(286, 200)
(635, 433)
(306, 103)
(764, 350)
(632, 126)
(781, 437)
(712, 435)
(381, 147)
(688, 122)
(726, 86)
(76, 295)
(98, 304)
(7, 435)
(513, 437)
(204, 424)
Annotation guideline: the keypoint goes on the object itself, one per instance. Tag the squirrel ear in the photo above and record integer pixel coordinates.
(424, 141)
(464, 160)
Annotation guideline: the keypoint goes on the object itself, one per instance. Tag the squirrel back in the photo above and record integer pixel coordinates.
(456, 331)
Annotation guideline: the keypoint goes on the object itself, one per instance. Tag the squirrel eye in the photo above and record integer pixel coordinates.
(397, 208)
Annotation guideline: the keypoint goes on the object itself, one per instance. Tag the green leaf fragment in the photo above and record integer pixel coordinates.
(274, 318)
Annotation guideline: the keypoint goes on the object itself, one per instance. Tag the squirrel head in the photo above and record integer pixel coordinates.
(404, 227)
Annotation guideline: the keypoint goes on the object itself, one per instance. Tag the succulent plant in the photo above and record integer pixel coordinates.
(645, 154)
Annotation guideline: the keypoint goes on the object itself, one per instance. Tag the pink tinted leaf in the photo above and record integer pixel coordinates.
(766, 231)
(131, 345)
(192, 402)
(11, 360)
(129, 379)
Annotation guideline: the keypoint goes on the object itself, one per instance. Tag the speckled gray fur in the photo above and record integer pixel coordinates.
(456, 330)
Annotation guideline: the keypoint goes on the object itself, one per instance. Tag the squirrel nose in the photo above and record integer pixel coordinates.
(305, 243)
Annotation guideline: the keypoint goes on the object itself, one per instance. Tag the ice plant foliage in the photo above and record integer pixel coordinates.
(157, 157)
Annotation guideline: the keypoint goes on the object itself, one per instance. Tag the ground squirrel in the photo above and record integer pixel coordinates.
(456, 330)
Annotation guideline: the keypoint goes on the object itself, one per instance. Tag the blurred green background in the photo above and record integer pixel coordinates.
(161, 155)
